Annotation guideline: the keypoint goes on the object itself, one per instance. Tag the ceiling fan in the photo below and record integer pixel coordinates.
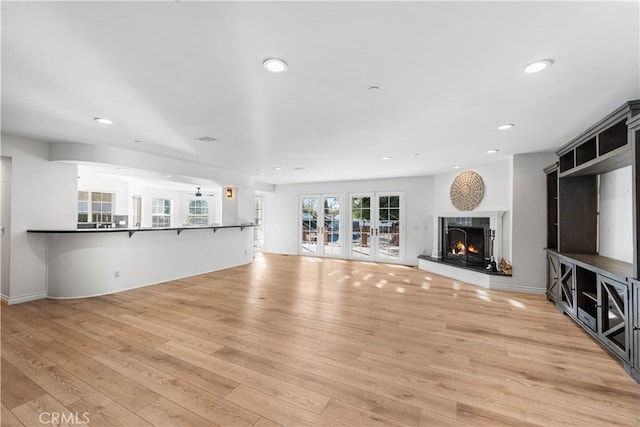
(198, 193)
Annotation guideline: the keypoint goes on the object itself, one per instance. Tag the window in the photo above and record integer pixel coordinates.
(83, 206)
(198, 212)
(161, 213)
(137, 211)
(258, 238)
(96, 207)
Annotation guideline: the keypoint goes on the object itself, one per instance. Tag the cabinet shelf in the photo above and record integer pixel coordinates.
(590, 295)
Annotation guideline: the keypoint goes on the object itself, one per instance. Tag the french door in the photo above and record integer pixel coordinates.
(321, 227)
(376, 226)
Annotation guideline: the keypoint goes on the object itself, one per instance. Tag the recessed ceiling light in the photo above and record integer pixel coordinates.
(492, 151)
(207, 139)
(275, 65)
(103, 121)
(456, 167)
(278, 168)
(537, 66)
(386, 157)
(506, 126)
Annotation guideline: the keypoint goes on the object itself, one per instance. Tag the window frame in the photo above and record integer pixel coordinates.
(160, 203)
(95, 216)
(198, 216)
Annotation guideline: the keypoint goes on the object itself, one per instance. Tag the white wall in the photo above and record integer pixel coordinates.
(44, 195)
(281, 230)
(497, 178)
(616, 225)
(529, 221)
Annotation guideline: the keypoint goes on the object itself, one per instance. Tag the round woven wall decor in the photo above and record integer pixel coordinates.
(467, 190)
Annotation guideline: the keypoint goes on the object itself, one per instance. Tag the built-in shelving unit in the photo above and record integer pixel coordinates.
(601, 294)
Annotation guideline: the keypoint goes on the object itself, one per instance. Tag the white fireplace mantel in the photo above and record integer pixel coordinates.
(495, 223)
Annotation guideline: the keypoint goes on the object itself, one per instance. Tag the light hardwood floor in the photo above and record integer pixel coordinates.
(299, 341)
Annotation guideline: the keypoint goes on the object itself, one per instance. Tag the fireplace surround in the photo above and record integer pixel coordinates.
(474, 224)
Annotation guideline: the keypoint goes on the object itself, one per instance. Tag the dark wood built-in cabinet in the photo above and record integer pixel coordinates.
(600, 294)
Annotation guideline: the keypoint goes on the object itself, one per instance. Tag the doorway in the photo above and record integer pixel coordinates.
(321, 226)
(377, 227)
(5, 227)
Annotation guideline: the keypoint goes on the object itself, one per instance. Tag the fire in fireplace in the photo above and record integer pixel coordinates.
(464, 241)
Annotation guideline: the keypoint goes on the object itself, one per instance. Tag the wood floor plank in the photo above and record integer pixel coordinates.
(344, 391)
(99, 410)
(106, 380)
(298, 396)
(344, 413)
(165, 413)
(16, 387)
(44, 410)
(276, 409)
(8, 419)
(178, 368)
(265, 422)
(290, 341)
(476, 416)
(191, 397)
(56, 381)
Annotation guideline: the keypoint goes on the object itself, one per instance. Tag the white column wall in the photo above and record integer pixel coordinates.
(529, 221)
(44, 195)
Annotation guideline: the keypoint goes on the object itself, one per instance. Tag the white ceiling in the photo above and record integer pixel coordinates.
(449, 73)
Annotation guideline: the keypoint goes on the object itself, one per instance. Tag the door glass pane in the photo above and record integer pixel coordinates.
(389, 228)
(332, 240)
(309, 225)
(614, 315)
(360, 227)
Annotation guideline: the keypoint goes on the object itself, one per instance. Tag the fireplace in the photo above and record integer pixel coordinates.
(466, 241)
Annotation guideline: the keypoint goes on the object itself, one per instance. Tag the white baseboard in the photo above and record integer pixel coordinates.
(24, 298)
(518, 288)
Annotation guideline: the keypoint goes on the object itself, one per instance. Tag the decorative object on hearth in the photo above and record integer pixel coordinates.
(506, 266)
(467, 190)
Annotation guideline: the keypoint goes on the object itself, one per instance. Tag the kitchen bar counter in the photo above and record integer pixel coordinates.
(90, 262)
(132, 231)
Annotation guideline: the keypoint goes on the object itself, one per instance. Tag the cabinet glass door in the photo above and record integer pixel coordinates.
(553, 284)
(567, 287)
(614, 320)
